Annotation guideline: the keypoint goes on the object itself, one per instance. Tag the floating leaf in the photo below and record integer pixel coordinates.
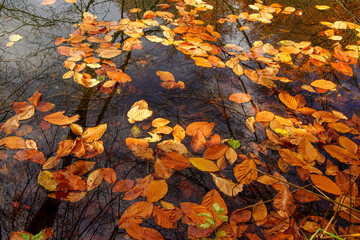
(198, 141)
(175, 161)
(24, 110)
(166, 218)
(264, 116)
(135, 214)
(77, 129)
(240, 97)
(234, 143)
(14, 142)
(322, 7)
(58, 118)
(48, 181)
(139, 112)
(324, 84)
(15, 38)
(94, 179)
(215, 152)
(259, 212)
(156, 190)
(123, 185)
(94, 133)
(204, 164)
(245, 172)
(109, 53)
(288, 100)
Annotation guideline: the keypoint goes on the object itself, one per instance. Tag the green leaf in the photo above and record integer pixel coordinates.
(26, 236)
(216, 207)
(101, 78)
(224, 218)
(204, 226)
(210, 221)
(234, 143)
(204, 215)
(221, 233)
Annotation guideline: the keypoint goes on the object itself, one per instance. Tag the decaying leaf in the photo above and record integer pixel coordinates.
(139, 112)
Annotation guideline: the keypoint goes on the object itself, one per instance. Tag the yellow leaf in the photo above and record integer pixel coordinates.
(324, 84)
(94, 133)
(47, 180)
(204, 165)
(288, 100)
(139, 112)
(77, 129)
(322, 7)
(94, 179)
(15, 38)
(109, 53)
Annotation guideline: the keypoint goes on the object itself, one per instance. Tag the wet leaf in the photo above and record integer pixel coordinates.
(24, 110)
(58, 118)
(48, 181)
(245, 173)
(15, 38)
(156, 190)
(264, 116)
(14, 142)
(94, 133)
(94, 179)
(259, 211)
(166, 218)
(135, 214)
(51, 163)
(204, 127)
(198, 141)
(215, 152)
(204, 165)
(109, 175)
(11, 125)
(227, 186)
(109, 53)
(139, 112)
(240, 97)
(175, 161)
(325, 184)
(324, 84)
(123, 185)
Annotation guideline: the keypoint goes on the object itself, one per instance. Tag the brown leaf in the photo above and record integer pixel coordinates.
(156, 190)
(166, 218)
(24, 110)
(284, 202)
(259, 212)
(94, 133)
(161, 170)
(244, 172)
(304, 196)
(204, 127)
(175, 161)
(123, 185)
(109, 175)
(227, 186)
(11, 125)
(44, 106)
(198, 141)
(210, 199)
(94, 179)
(58, 118)
(191, 210)
(64, 148)
(240, 97)
(51, 162)
(325, 184)
(215, 152)
(264, 116)
(166, 76)
(135, 214)
(348, 144)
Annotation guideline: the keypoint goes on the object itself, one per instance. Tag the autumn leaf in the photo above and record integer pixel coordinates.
(284, 201)
(192, 211)
(77, 129)
(51, 162)
(202, 62)
(240, 97)
(161, 170)
(166, 218)
(259, 211)
(11, 125)
(198, 141)
(109, 53)
(245, 172)
(58, 118)
(48, 181)
(94, 179)
(215, 152)
(324, 84)
(227, 186)
(325, 184)
(288, 100)
(14, 142)
(109, 175)
(123, 185)
(94, 133)
(264, 116)
(139, 112)
(48, 2)
(156, 190)
(135, 214)
(203, 164)
(210, 199)
(24, 110)
(166, 76)
(175, 161)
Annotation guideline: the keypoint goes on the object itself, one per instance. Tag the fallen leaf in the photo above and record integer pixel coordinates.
(58, 118)
(156, 190)
(94, 133)
(204, 164)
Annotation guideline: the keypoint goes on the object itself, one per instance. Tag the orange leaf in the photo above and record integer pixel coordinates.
(284, 201)
(135, 214)
(198, 141)
(252, 75)
(324, 84)
(245, 173)
(24, 110)
(14, 142)
(325, 184)
(202, 62)
(204, 127)
(264, 116)
(215, 152)
(175, 161)
(341, 154)
(44, 106)
(166, 218)
(109, 175)
(94, 179)
(204, 165)
(109, 53)
(94, 133)
(178, 133)
(64, 148)
(51, 163)
(192, 211)
(58, 118)
(227, 186)
(34, 99)
(240, 97)
(166, 76)
(11, 125)
(123, 185)
(156, 190)
(288, 100)
(161, 169)
(259, 212)
(210, 199)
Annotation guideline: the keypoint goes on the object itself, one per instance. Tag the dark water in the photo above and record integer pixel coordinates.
(33, 64)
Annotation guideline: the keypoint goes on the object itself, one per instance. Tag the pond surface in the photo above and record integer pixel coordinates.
(35, 64)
